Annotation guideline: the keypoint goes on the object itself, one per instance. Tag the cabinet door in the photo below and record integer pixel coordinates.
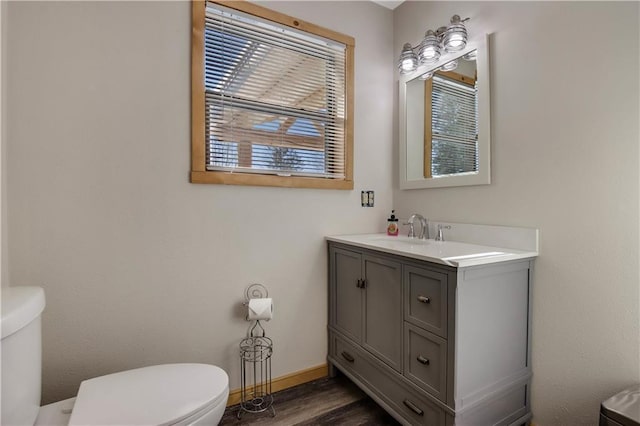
(346, 295)
(383, 310)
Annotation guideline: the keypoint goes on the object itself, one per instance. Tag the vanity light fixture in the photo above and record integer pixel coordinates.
(429, 50)
(455, 36)
(408, 61)
(452, 38)
(471, 56)
(450, 66)
(426, 75)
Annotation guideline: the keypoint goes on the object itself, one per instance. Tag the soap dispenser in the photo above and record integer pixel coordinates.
(392, 225)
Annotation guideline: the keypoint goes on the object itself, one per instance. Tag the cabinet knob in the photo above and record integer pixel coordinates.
(359, 283)
(423, 360)
(411, 406)
(347, 356)
(424, 299)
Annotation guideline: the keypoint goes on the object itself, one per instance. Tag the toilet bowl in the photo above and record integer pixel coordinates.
(168, 394)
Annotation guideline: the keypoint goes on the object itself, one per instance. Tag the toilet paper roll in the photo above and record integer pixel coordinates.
(260, 309)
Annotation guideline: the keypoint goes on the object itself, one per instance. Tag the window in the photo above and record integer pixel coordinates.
(451, 125)
(272, 99)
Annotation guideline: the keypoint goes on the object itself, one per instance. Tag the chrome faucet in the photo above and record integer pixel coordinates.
(424, 226)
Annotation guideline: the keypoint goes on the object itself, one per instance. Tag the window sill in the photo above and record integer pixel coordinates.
(226, 178)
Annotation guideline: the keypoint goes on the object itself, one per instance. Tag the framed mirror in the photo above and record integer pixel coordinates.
(444, 121)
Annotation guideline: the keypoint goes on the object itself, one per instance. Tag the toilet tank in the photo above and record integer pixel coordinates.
(21, 354)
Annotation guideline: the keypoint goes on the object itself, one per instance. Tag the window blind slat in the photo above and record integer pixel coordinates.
(271, 33)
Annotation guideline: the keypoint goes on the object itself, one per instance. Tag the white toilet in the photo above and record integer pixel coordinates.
(170, 394)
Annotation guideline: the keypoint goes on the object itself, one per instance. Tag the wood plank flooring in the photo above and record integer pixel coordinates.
(328, 401)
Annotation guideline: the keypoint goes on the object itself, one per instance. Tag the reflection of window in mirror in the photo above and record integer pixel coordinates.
(451, 122)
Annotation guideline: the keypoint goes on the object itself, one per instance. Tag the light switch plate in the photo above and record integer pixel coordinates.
(366, 198)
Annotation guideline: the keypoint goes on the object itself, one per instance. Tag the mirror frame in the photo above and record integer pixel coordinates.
(483, 175)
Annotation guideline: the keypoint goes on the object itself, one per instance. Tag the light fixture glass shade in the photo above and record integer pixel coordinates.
(471, 56)
(450, 66)
(426, 75)
(455, 37)
(408, 61)
(429, 48)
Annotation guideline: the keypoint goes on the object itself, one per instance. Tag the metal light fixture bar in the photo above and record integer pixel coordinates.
(451, 38)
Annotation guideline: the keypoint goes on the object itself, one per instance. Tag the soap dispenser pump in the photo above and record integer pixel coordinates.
(392, 225)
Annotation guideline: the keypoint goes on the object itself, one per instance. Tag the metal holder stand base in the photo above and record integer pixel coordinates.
(255, 373)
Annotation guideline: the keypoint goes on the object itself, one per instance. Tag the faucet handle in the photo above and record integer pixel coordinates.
(424, 233)
(440, 236)
(412, 231)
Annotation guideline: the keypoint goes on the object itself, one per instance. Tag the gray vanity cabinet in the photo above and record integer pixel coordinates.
(432, 344)
(366, 303)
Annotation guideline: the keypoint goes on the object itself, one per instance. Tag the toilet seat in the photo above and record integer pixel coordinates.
(158, 395)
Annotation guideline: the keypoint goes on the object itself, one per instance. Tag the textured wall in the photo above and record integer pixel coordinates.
(139, 266)
(565, 158)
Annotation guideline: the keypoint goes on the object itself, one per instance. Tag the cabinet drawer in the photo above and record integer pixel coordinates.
(426, 360)
(426, 299)
(346, 355)
(412, 406)
(383, 382)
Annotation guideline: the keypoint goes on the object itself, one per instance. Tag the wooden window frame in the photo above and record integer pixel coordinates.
(199, 173)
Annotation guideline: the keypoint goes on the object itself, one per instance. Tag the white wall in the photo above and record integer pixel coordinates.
(139, 266)
(565, 160)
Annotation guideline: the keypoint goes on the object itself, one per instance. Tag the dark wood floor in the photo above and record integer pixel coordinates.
(329, 401)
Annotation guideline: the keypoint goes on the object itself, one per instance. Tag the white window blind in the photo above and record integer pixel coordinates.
(275, 98)
(454, 124)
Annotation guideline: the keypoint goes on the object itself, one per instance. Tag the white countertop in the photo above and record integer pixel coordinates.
(451, 253)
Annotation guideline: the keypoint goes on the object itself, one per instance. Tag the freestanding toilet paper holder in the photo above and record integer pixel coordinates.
(255, 363)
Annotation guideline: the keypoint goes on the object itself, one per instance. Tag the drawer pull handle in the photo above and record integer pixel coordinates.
(424, 299)
(347, 356)
(411, 406)
(423, 360)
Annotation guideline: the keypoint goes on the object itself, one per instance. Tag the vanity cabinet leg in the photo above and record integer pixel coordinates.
(333, 371)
